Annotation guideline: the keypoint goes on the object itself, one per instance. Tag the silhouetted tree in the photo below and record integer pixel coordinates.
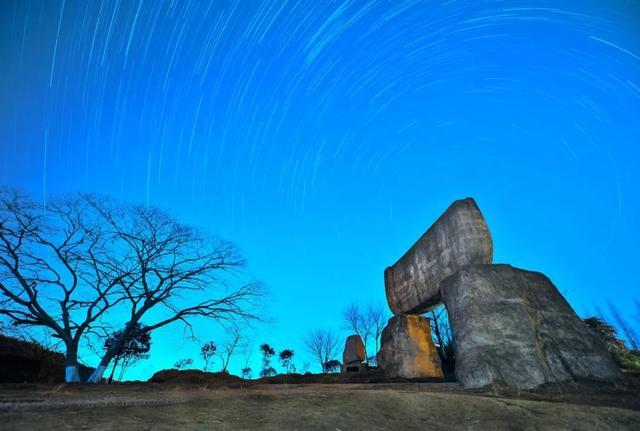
(267, 353)
(181, 364)
(632, 336)
(231, 344)
(246, 373)
(323, 345)
(367, 322)
(333, 366)
(207, 352)
(286, 359)
(378, 318)
(443, 337)
(355, 320)
(56, 270)
(65, 266)
(135, 349)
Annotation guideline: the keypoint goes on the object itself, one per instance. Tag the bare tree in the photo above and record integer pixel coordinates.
(246, 370)
(230, 346)
(172, 262)
(443, 337)
(378, 319)
(355, 320)
(367, 323)
(52, 269)
(66, 266)
(632, 336)
(323, 345)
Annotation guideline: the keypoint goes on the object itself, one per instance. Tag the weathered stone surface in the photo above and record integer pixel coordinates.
(513, 328)
(458, 238)
(353, 350)
(406, 348)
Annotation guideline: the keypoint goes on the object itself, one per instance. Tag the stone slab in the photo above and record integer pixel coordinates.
(458, 238)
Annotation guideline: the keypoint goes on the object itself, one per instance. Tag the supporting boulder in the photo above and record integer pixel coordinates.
(514, 329)
(407, 350)
(458, 238)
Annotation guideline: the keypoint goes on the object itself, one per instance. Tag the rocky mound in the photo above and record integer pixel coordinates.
(27, 362)
(195, 376)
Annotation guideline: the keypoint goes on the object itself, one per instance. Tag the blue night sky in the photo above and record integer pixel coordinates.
(323, 137)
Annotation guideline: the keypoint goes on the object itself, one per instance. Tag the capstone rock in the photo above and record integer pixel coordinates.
(458, 238)
(514, 329)
(406, 348)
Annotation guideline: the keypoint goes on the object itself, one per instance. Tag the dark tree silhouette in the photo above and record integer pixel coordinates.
(443, 337)
(333, 366)
(135, 349)
(355, 320)
(267, 352)
(230, 346)
(65, 266)
(53, 272)
(632, 336)
(286, 359)
(323, 345)
(207, 352)
(367, 322)
(181, 364)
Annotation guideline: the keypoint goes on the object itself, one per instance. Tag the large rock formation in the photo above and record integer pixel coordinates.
(353, 355)
(407, 350)
(513, 328)
(353, 350)
(458, 238)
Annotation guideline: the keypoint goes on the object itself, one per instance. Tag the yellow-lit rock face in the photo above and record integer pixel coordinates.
(426, 361)
(407, 349)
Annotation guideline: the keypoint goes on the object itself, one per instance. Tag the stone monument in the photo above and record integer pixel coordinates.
(353, 354)
(512, 327)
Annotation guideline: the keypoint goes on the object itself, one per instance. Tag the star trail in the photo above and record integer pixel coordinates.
(323, 137)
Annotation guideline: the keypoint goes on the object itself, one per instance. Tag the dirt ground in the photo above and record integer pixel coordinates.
(363, 406)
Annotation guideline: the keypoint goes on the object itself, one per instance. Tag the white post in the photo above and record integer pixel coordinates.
(71, 374)
(96, 376)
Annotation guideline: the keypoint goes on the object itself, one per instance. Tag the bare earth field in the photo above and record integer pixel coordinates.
(321, 406)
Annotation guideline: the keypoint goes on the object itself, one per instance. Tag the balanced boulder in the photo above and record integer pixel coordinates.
(353, 355)
(407, 350)
(513, 328)
(458, 238)
(353, 350)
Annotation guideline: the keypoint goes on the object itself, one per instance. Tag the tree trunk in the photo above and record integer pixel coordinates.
(96, 376)
(71, 371)
(115, 364)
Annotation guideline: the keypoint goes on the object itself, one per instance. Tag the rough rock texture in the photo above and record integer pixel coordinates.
(458, 238)
(513, 328)
(406, 348)
(353, 350)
